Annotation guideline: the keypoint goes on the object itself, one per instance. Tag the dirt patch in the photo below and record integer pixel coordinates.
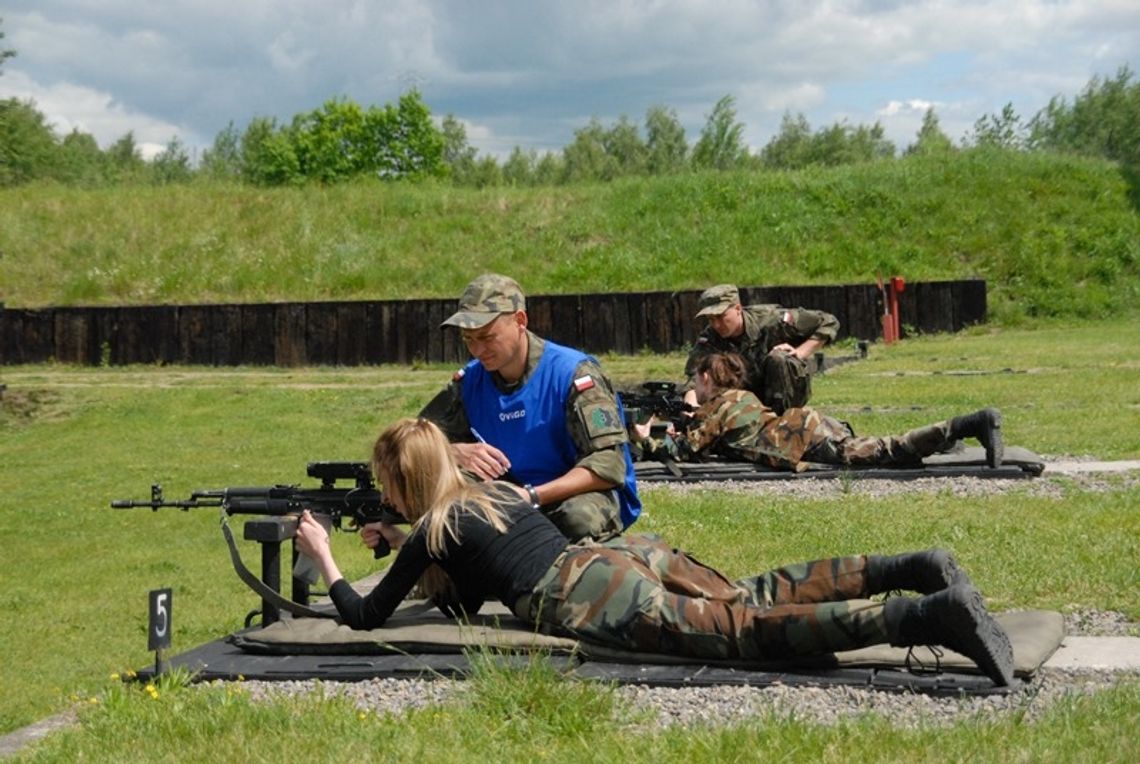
(24, 406)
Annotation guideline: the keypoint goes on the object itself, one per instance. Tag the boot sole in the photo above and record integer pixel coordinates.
(979, 637)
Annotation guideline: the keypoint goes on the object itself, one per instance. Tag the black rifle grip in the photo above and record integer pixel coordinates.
(382, 548)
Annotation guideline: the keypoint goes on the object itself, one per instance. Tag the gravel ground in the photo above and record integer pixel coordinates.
(728, 704)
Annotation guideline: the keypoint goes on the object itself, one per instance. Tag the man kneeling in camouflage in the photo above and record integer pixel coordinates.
(732, 423)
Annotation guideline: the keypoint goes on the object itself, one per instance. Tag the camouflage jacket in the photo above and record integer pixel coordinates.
(599, 448)
(735, 425)
(765, 327)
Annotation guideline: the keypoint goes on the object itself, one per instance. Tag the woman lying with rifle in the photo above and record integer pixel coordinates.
(732, 423)
(637, 593)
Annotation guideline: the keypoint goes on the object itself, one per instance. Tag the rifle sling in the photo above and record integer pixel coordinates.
(260, 588)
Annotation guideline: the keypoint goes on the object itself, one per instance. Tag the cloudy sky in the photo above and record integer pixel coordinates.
(531, 72)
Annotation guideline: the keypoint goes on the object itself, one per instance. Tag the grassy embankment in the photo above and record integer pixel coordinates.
(1052, 235)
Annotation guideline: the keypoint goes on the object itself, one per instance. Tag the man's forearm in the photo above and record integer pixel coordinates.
(577, 481)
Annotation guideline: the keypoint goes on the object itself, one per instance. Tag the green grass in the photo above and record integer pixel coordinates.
(532, 714)
(1053, 236)
(76, 573)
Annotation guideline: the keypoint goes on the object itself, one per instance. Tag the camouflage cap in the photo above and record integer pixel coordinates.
(485, 299)
(716, 300)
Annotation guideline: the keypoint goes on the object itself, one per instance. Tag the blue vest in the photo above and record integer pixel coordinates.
(529, 424)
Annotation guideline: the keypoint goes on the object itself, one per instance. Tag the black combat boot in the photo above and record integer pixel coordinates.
(955, 618)
(985, 425)
(924, 572)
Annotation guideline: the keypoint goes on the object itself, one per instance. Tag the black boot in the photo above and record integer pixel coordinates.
(955, 618)
(925, 572)
(985, 425)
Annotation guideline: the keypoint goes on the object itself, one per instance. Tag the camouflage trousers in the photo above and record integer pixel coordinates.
(637, 593)
(834, 444)
(593, 516)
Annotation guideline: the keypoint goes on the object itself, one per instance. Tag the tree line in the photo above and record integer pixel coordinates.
(341, 141)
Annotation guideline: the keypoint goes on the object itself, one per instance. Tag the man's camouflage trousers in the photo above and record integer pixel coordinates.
(637, 593)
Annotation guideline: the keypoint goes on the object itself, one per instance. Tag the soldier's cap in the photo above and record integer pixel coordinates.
(485, 299)
(716, 300)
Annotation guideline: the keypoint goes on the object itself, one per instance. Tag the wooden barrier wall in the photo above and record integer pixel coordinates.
(403, 331)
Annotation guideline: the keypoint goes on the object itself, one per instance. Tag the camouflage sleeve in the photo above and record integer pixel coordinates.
(800, 324)
(596, 425)
(446, 410)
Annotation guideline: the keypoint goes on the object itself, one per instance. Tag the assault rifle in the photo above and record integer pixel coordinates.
(361, 503)
(659, 400)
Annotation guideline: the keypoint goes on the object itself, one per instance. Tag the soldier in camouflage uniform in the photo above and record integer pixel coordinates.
(733, 424)
(777, 343)
(540, 414)
(637, 593)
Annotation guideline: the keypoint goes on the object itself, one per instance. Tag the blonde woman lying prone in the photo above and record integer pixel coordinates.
(637, 593)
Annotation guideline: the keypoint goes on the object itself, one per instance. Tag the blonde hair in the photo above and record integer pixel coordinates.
(415, 459)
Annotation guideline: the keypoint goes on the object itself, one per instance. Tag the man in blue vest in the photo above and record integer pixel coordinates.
(537, 413)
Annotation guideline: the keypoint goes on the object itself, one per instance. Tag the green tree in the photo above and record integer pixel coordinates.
(124, 161)
(414, 146)
(172, 165)
(721, 145)
(81, 162)
(930, 139)
(791, 148)
(549, 170)
(487, 173)
(332, 143)
(267, 155)
(1104, 120)
(518, 170)
(222, 161)
(623, 145)
(28, 149)
(586, 159)
(458, 155)
(1000, 131)
(665, 141)
(5, 53)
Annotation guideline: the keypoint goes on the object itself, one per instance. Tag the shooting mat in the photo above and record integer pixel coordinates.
(418, 641)
(1019, 463)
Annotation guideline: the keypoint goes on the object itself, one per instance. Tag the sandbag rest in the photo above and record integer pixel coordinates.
(416, 628)
(1018, 463)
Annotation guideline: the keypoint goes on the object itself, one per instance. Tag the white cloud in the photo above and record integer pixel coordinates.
(529, 72)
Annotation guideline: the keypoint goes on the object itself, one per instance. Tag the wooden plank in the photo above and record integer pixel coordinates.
(863, 314)
(599, 323)
(195, 334)
(434, 316)
(934, 306)
(74, 337)
(320, 333)
(970, 301)
(540, 315)
(289, 335)
(566, 318)
(32, 335)
(350, 333)
(226, 344)
(259, 334)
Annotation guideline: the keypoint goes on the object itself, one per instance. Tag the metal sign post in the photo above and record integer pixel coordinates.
(159, 625)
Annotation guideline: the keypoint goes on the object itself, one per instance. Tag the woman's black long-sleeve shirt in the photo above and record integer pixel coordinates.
(482, 564)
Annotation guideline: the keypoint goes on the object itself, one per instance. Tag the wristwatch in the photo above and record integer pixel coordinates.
(534, 502)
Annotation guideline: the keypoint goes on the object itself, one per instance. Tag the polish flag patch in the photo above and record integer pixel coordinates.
(458, 375)
(787, 317)
(582, 384)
